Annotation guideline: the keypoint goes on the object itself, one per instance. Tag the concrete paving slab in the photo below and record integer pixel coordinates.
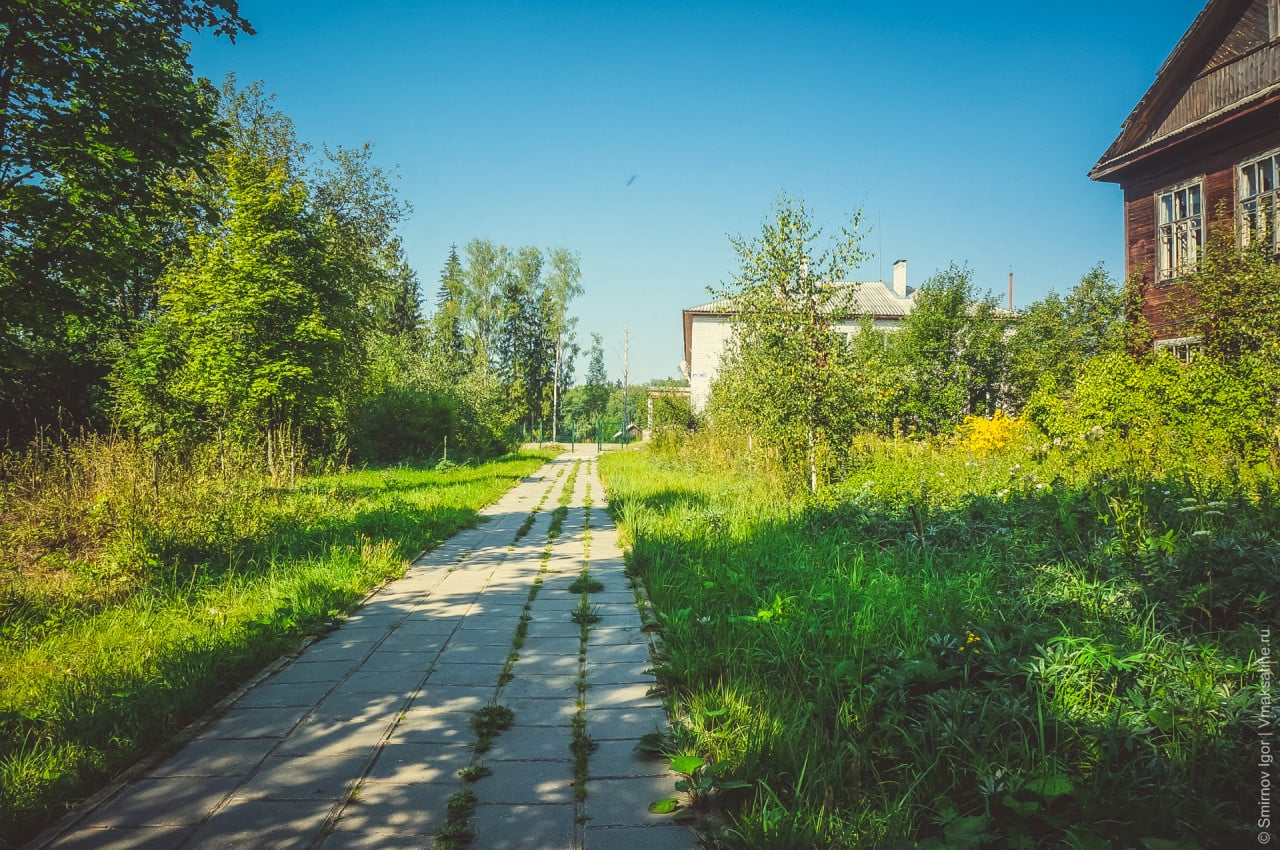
(429, 725)
(388, 661)
(337, 648)
(617, 672)
(541, 686)
(464, 653)
(262, 722)
(320, 736)
(214, 757)
(285, 694)
(539, 664)
(524, 827)
(555, 711)
(636, 695)
(614, 654)
(306, 777)
(606, 634)
(301, 671)
(531, 743)
(560, 629)
(618, 759)
(451, 698)
(632, 724)
(280, 825)
(486, 637)
(359, 839)
(526, 783)
(385, 681)
(381, 807)
(368, 707)
(665, 837)
(128, 838)
(428, 625)
(407, 762)
(625, 802)
(475, 675)
(171, 801)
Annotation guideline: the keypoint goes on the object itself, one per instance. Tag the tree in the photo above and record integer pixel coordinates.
(563, 285)
(98, 111)
(1232, 299)
(260, 332)
(1055, 336)
(950, 355)
(784, 376)
(596, 392)
(446, 341)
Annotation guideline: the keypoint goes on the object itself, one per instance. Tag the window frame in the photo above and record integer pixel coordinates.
(1184, 348)
(1170, 265)
(1267, 200)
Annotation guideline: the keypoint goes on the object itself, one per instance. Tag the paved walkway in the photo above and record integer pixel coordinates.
(358, 741)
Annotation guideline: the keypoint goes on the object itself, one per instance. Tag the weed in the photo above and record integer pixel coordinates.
(456, 834)
(474, 773)
(586, 584)
(488, 723)
(1030, 646)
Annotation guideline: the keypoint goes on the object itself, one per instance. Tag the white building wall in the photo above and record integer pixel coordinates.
(709, 338)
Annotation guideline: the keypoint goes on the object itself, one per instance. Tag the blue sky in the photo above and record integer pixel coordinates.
(963, 131)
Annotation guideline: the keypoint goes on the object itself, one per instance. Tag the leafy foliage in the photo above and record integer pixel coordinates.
(98, 109)
(784, 376)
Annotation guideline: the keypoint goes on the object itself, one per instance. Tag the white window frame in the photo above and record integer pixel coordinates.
(1179, 228)
(1185, 348)
(1257, 197)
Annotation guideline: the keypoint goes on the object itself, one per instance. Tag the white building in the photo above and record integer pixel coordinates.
(707, 327)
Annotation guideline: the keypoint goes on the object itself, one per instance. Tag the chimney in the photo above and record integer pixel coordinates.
(900, 278)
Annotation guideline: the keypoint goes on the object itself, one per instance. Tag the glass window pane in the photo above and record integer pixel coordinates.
(1194, 194)
(1248, 181)
(1266, 175)
(1166, 208)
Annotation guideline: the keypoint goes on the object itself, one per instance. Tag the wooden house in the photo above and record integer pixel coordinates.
(1201, 149)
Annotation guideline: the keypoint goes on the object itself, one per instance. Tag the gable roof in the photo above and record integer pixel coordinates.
(860, 297)
(1194, 87)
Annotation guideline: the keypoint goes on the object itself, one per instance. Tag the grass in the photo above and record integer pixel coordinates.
(133, 595)
(1032, 648)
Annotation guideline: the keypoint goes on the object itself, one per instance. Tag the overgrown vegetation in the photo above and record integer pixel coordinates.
(1043, 647)
(975, 629)
(135, 592)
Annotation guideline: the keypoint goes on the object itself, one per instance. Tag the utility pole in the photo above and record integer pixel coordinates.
(626, 360)
(555, 391)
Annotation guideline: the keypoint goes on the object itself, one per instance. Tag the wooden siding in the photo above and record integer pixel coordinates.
(1222, 88)
(1163, 304)
(1250, 32)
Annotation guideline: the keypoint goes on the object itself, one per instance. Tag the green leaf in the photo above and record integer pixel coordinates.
(665, 806)
(654, 742)
(1170, 844)
(1019, 807)
(688, 765)
(1050, 787)
(734, 784)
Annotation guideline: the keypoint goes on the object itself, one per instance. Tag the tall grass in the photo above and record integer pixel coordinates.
(135, 591)
(1031, 648)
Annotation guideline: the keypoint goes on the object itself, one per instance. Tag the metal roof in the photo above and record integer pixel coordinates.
(862, 297)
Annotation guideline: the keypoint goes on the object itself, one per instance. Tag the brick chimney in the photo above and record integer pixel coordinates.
(900, 278)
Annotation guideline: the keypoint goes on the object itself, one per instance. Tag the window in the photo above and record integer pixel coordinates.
(1185, 348)
(1256, 185)
(1181, 230)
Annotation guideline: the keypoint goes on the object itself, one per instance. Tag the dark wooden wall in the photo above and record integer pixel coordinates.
(1211, 156)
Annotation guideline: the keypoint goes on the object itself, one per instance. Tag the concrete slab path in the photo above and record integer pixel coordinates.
(358, 741)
